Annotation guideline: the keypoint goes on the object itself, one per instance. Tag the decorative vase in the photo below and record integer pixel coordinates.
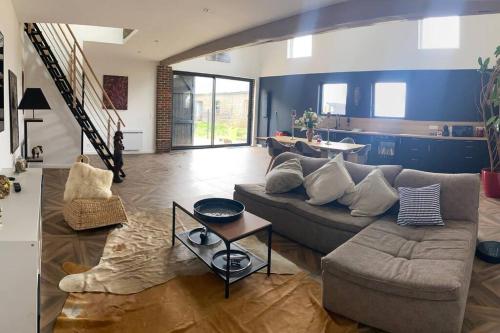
(4, 186)
(309, 134)
(491, 183)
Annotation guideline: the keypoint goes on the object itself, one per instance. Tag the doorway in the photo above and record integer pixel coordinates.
(211, 110)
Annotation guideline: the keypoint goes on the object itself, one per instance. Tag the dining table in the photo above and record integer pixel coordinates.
(331, 146)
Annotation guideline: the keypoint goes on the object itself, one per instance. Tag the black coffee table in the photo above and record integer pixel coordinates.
(229, 233)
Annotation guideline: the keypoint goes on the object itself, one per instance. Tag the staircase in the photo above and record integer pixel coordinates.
(76, 81)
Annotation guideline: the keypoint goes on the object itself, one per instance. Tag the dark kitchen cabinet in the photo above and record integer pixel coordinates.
(415, 153)
(443, 155)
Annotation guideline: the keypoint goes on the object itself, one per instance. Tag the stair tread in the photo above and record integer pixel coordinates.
(51, 63)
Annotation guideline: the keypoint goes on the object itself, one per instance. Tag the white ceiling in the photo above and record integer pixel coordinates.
(177, 25)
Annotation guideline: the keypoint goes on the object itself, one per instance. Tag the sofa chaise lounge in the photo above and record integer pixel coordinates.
(395, 278)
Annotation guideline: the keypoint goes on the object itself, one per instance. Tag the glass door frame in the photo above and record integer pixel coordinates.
(250, 110)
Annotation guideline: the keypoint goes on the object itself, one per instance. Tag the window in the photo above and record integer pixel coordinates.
(390, 99)
(439, 33)
(333, 98)
(300, 47)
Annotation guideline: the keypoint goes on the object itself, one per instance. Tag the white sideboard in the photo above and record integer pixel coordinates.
(20, 253)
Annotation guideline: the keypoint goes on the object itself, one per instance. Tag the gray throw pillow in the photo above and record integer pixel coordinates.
(420, 206)
(285, 177)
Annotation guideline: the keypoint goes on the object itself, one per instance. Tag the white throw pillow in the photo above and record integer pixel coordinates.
(285, 177)
(86, 182)
(373, 196)
(329, 182)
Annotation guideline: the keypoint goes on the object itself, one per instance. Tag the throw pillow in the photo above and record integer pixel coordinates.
(420, 206)
(372, 196)
(284, 177)
(329, 182)
(86, 182)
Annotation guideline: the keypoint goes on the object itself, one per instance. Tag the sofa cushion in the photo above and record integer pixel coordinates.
(420, 206)
(459, 192)
(420, 262)
(373, 196)
(358, 172)
(258, 192)
(328, 183)
(331, 215)
(285, 177)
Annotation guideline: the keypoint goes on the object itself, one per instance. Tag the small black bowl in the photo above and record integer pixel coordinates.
(218, 210)
(489, 251)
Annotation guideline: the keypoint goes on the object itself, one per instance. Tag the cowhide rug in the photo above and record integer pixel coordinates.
(139, 255)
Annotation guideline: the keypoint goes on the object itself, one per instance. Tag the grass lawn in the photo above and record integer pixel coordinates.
(225, 132)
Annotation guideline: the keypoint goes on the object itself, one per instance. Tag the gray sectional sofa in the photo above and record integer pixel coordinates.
(396, 278)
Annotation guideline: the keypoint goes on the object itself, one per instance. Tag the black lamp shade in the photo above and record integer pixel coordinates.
(34, 99)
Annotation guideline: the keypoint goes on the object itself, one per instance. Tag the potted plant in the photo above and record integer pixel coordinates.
(308, 122)
(489, 108)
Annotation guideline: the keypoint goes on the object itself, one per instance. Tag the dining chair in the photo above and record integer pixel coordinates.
(347, 139)
(332, 154)
(359, 156)
(304, 149)
(274, 148)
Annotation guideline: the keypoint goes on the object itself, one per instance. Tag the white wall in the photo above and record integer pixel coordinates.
(141, 75)
(59, 134)
(13, 34)
(384, 46)
(245, 62)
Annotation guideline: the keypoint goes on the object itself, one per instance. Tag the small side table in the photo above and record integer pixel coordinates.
(229, 233)
(26, 153)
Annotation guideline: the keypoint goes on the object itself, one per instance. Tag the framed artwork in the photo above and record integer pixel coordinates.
(117, 89)
(14, 122)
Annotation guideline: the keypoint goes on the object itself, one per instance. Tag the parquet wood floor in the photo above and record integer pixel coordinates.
(153, 181)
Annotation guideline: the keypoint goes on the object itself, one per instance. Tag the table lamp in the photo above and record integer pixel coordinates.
(34, 99)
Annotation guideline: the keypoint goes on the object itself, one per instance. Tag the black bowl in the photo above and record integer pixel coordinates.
(218, 210)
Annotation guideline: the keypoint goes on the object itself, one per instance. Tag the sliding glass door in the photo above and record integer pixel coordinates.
(232, 104)
(211, 110)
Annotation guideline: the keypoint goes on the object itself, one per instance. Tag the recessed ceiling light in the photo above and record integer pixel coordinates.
(206, 10)
(139, 52)
(156, 41)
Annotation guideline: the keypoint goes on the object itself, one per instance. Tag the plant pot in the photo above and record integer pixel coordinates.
(491, 183)
(309, 134)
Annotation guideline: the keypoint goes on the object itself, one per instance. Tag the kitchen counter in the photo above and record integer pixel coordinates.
(419, 136)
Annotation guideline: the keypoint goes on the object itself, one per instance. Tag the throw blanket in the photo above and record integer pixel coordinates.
(139, 255)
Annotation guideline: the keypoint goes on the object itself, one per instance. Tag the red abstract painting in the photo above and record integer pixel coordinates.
(117, 89)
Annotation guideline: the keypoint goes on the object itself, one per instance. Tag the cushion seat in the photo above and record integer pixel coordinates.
(330, 215)
(258, 192)
(420, 262)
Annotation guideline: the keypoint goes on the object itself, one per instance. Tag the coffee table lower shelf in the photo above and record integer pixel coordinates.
(205, 253)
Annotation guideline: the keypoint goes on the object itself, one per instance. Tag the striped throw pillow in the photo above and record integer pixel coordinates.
(420, 206)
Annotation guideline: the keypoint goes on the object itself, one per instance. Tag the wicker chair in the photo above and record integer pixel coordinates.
(274, 148)
(82, 214)
(359, 156)
(306, 150)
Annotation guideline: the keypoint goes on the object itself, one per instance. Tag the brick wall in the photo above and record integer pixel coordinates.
(164, 112)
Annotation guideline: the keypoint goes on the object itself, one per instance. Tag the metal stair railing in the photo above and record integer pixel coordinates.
(76, 80)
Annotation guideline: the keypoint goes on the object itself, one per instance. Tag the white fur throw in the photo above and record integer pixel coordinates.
(86, 182)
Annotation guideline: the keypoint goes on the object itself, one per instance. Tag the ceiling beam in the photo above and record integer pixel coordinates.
(348, 14)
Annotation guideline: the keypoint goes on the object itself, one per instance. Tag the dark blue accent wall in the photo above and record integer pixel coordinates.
(432, 95)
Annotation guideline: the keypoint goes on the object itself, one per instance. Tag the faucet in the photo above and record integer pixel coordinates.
(337, 121)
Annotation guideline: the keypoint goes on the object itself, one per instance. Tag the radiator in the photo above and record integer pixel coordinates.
(132, 140)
